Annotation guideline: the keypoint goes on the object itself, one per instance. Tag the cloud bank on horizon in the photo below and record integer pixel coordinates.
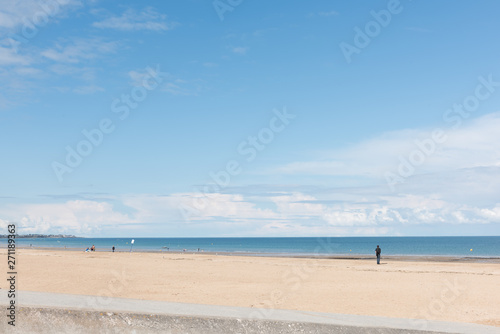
(166, 120)
(433, 196)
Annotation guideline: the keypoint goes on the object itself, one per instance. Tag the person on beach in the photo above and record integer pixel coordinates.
(92, 248)
(87, 250)
(113, 249)
(377, 252)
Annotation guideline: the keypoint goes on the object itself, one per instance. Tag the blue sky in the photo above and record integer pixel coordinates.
(398, 135)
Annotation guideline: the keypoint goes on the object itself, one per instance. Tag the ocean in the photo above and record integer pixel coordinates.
(485, 246)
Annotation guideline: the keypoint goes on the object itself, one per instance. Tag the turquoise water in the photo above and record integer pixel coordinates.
(446, 246)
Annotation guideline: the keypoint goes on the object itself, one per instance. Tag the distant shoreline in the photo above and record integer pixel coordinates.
(40, 236)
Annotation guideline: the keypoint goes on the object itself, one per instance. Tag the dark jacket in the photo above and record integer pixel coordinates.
(378, 251)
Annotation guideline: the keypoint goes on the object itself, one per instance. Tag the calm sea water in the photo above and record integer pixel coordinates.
(451, 246)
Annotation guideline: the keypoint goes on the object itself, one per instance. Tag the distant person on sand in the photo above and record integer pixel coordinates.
(378, 251)
(113, 249)
(92, 248)
(87, 250)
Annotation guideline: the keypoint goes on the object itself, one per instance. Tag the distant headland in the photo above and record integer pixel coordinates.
(40, 236)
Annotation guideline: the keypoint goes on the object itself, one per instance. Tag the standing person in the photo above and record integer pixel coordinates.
(113, 249)
(377, 252)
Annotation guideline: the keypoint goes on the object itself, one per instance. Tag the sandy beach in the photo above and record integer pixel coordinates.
(448, 291)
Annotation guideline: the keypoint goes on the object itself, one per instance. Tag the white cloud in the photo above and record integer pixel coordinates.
(72, 217)
(83, 73)
(418, 29)
(90, 89)
(209, 64)
(475, 144)
(9, 56)
(329, 13)
(298, 205)
(22, 21)
(288, 213)
(215, 206)
(491, 214)
(3, 225)
(170, 84)
(318, 212)
(147, 19)
(79, 50)
(240, 50)
(137, 77)
(28, 71)
(323, 14)
(175, 89)
(32, 12)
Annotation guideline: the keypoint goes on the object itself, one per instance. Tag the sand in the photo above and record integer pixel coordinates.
(448, 291)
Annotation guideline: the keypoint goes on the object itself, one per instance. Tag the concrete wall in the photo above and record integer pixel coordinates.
(53, 320)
